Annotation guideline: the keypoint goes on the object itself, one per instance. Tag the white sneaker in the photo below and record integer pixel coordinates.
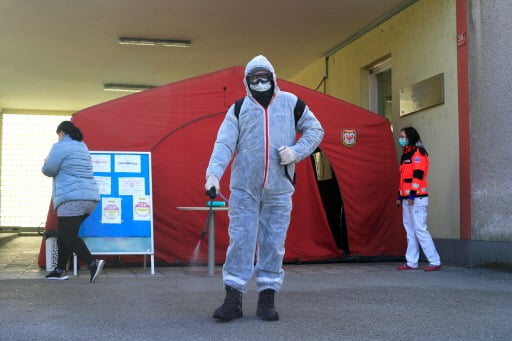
(57, 274)
(96, 269)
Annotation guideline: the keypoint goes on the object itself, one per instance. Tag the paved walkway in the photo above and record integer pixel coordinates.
(18, 256)
(342, 301)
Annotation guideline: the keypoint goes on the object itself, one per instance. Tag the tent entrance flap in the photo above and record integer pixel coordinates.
(331, 199)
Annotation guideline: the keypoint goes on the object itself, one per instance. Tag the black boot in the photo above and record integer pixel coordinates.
(232, 306)
(266, 310)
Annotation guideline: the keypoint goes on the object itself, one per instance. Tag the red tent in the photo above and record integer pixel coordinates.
(178, 124)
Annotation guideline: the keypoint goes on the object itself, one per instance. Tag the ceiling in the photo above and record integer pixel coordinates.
(57, 54)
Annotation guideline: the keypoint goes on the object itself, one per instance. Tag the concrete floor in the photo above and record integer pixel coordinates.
(342, 301)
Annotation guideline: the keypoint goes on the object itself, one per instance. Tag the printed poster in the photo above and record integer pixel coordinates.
(104, 184)
(132, 186)
(101, 163)
(111, 210)
(141, 208)
(127, 163)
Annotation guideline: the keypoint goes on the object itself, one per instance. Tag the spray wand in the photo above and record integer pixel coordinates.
(212, 193)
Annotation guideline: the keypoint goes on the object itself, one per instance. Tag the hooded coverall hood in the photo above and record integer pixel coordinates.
(259, 62)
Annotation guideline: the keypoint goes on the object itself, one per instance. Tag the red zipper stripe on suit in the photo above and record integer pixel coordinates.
(267, 139)
(266, 146)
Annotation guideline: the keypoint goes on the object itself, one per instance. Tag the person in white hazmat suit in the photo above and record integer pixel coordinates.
(262, 136)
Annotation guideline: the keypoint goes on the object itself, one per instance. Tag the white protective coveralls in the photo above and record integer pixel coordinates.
(260, 203)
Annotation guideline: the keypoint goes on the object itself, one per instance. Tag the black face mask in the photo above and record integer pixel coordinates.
(264, 97)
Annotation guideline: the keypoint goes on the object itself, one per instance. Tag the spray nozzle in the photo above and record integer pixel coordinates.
(203, 232)
(212, 193)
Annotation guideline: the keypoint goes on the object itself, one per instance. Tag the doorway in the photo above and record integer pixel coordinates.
(331, 199)
(381, 97)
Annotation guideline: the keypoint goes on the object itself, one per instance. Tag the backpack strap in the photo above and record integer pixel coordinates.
(300, 106)
(238, 106)
(288, 175)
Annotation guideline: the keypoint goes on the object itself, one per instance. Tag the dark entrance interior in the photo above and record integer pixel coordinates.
(331, 199)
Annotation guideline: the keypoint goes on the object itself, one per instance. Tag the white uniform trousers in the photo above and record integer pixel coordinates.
(415, 223)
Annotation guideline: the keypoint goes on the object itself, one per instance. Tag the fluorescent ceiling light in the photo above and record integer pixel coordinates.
(153, 42)
(126, 87)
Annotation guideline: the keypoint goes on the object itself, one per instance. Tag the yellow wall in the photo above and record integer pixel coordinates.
(1, 125)
(421, 42)
(312, 76)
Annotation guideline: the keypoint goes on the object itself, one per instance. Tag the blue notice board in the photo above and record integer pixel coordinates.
(122, 223)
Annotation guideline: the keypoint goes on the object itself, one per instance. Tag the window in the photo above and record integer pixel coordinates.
(380, 89)
(25, 191)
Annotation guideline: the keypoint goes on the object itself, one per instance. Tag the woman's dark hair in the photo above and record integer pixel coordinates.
(412, 135)
(70, 129)
(414, 139)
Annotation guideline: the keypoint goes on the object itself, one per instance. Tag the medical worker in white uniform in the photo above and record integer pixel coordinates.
(413, 197)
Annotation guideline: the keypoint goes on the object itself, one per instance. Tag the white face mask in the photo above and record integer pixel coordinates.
(260, 86)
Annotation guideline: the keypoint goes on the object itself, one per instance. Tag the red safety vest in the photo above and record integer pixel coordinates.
(417, 161)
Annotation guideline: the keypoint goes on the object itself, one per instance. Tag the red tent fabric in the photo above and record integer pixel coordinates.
(178, 124)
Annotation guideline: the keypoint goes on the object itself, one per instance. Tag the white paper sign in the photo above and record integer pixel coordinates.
(104, 184)
(141, 208)
(101, 163)
(132, 186)
(111, 210)
(127, 163)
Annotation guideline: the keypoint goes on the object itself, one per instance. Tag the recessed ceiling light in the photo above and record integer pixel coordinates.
(126, 87)
(153, 42)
